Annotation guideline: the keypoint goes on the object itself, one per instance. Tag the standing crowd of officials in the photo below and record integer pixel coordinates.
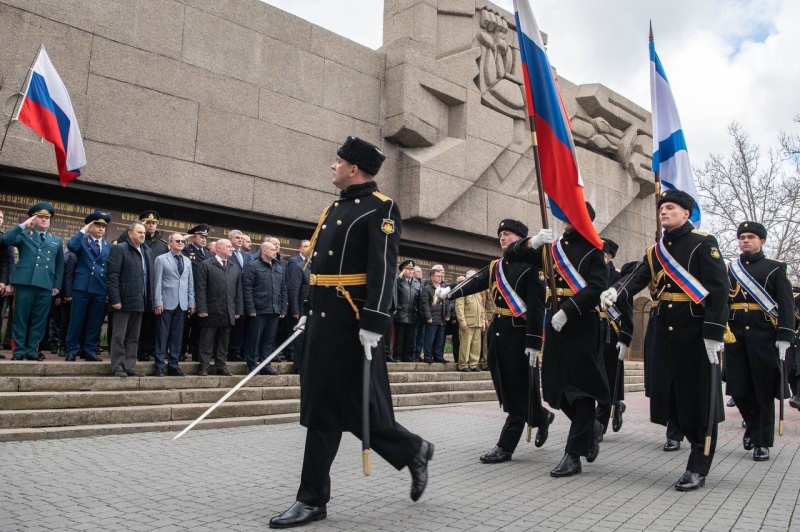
(165, 296)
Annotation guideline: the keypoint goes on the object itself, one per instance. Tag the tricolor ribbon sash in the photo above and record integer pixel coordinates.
(573, 277)
(515, 303)
(753, 288)
(685, 280)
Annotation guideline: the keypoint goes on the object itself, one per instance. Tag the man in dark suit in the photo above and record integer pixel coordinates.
(89, 286)
(240, 258)
(129, 278)
(173, 296)
(218, 294)
(297, 288)
(37, 278)
(64, 301)
(195, 250)
(6, 270)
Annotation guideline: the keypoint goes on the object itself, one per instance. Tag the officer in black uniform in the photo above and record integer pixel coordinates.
(573, 375)
(613, 350)
(513, 337)
(197, 253)
(685, 336)
(764, 329)
(353, 257)
(792, 362)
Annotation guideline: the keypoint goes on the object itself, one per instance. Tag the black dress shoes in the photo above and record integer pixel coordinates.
(93, 358)
(268, 370)
(616, 423)
(70, 358)
(794, 401)
(159, 372)
(175, 372)
(761, 454)
(690, 481)
(390, 358)
(568, 466)
(744, 424)
(496, 456)
(223, 370)
(120, 373)
(419, 470)
(747, 442)
(598, 436)
(298, 514)
(17, 357)
(730, 403)
(543, 432)
(133, 373)
(672, 445)
(203, 371)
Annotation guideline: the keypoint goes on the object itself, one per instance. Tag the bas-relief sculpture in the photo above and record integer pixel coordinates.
(455, 106)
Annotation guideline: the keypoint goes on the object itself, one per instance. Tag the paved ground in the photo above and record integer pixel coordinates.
(236, 479)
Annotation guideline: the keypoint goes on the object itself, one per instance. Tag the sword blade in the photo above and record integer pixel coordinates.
(298, 330)
(365, 444)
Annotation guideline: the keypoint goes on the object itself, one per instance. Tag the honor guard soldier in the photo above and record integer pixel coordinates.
(37, 278)
(353, 257)
(197, 253)
(514, 336)
(762, 320)
(573, 375)
(686, 272)
(88, 287)
(792, 362)
(613, 350)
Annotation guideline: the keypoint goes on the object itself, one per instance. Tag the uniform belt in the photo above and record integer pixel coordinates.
(504, 312)
(603, 315)
(674, 296)
(350, 279)
(562, 292)
(745, 306)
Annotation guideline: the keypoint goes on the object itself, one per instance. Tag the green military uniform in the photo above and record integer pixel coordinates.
(40, 270)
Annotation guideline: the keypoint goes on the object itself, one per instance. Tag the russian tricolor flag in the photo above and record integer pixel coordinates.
(561, 178)
(47, 109)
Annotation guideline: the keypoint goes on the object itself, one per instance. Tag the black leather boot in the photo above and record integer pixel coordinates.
(569, 465)
(298, 514)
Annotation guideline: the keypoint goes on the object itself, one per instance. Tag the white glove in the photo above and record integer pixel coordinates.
(559, 320)
(608, 298)
(712, 348)
(782, 348)
(532, 355)
(441, 293)
(368, 338)
(622, 348)
(544, 236)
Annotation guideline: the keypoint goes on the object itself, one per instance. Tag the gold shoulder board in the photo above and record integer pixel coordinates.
(381, 196)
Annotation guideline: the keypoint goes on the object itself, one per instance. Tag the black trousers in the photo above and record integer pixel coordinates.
(396, 445)
(147, 335)
(404, 340)
(235, 350)
(698, 462)
(581, 414)
(760, 418)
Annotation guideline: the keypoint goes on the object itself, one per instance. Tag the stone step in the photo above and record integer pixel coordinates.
(43, 400)
(59, 368)
(109, 383)
(57, 417)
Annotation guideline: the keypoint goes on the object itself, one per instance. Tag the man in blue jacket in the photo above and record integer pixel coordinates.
(89, 287)
(37, 278)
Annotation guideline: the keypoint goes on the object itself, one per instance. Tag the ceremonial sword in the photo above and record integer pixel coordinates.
(298, 330)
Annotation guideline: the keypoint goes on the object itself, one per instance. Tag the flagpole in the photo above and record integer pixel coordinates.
(23, 92)
(657, 173)
(548, 255)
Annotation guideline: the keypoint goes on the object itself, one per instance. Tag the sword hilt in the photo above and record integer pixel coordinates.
(707, 448)
(528, 437)
(613, 409)
(780, 428)
(367, 462)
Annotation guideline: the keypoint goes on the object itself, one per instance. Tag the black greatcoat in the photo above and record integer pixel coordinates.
(752, 362)
(572, 364)
(218, 293)
(359, 234)
(509, 335)
(678, 365)
(609, 339)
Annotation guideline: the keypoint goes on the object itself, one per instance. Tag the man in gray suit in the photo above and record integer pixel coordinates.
(219, 305)
(173, 295)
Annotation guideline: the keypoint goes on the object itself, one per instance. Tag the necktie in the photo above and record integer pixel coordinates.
(179, 258)
(97, 245)
(224, 264)
(41, 237)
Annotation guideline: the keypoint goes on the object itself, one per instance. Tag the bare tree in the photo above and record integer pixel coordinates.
(746, 186)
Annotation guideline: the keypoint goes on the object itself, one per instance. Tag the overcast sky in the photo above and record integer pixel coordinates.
(726, 60)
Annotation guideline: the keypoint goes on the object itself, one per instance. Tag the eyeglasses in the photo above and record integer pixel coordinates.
(179, 241)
